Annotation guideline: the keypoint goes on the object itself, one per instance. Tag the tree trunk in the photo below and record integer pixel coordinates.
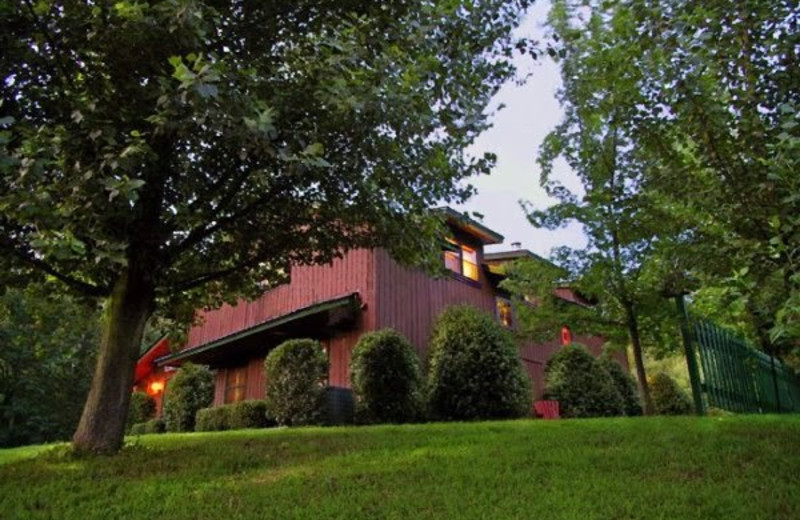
(102, 426)
(638, 359)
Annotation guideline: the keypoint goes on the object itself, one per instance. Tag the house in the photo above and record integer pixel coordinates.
(365, 290)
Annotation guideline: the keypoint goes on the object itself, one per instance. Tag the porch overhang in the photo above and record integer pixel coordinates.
(318, 321)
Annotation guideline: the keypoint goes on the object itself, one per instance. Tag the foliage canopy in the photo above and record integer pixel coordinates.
(177, 154)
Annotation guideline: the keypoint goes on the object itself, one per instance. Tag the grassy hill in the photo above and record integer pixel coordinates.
(731, 467)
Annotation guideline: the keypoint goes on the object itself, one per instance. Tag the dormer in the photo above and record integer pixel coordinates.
(463, 250)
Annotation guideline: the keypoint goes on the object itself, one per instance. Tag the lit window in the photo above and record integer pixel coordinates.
(235, 384)
(462, 260)
(469, 260)
(505, 315)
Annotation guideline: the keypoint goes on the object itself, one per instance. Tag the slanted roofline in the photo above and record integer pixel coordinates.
(512, 254)
(471, 226)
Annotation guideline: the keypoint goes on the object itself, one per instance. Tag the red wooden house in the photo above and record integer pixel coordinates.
(363, 291)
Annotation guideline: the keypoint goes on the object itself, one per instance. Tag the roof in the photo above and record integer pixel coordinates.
(320, 316)
(145, 364)
(512, 254)
(495, 263)
(471, 226)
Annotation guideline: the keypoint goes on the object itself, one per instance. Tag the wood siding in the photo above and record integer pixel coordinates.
(308, 285)
(255, 381)
(409, 300)
(535, 356)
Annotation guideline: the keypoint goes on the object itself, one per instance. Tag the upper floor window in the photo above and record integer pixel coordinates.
(462, 259)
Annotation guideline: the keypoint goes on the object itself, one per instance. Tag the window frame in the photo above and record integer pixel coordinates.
(457, 249)
(237, 391)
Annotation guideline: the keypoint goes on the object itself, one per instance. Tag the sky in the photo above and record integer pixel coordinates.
(531, 111)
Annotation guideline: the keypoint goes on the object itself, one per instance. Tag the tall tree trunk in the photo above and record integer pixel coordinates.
(102, 425)
(638, 359)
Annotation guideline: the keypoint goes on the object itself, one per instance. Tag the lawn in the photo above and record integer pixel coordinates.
(729, 467)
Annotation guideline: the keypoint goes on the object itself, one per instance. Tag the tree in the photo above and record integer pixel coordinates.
(712, 98)
(721, 114)
(622, 267)
(47, 348)
(172, 155)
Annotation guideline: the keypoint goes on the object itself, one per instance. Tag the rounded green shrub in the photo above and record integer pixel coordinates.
(474, 369)
(234, 416)
(667, 396)
(151, 426)
(386, 379)
(249, 414)
(296, 372)
(625, 384)
(214, 419)
(575, 379)
(142, 408)
(191, 389)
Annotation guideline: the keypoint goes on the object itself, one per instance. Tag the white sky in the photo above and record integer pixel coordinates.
(531, 112)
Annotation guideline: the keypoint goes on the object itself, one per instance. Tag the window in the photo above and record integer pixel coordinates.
(505, 314)
(235, 384)
(462, 260)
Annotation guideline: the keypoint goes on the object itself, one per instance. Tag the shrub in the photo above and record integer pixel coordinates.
(625, 384)
(668, 398)
(151, 426)
(191, 389)
(249, 414)
(575, 379)
(214, 419)
(474, 370)
(386, 379)
(142, 408)
(234, 416)
(295, 373)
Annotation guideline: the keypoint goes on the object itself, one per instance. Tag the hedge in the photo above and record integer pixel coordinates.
(295, 372)
(386, 379)
(582, 387)
(667, 396)
(151, 426)
(625, 385)
(189, 390)
(234, 416)
(474, 369)
(141, 409)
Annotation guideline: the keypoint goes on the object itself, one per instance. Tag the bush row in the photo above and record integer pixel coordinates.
(235, 416)
(474, 372)
(151, 426)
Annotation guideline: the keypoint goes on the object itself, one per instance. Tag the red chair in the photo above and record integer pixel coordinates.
(546, 409)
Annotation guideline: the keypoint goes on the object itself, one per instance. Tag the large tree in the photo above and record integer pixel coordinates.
(716, 114)
(620, 268)
(177, 154)
(722, 94)
(681, 121)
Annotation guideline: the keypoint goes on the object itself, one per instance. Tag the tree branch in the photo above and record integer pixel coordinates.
(191, 283)
(79, 285)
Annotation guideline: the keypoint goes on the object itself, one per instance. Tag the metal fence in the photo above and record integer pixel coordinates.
(738, 378)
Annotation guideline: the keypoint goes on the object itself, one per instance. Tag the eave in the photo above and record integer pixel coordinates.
(318, 321)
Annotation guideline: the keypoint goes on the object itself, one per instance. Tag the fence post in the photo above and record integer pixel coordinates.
(691, 361)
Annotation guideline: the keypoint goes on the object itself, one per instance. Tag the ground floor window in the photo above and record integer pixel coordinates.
(235, 384)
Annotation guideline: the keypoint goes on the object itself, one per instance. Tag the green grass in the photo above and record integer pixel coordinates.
(727, 467)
